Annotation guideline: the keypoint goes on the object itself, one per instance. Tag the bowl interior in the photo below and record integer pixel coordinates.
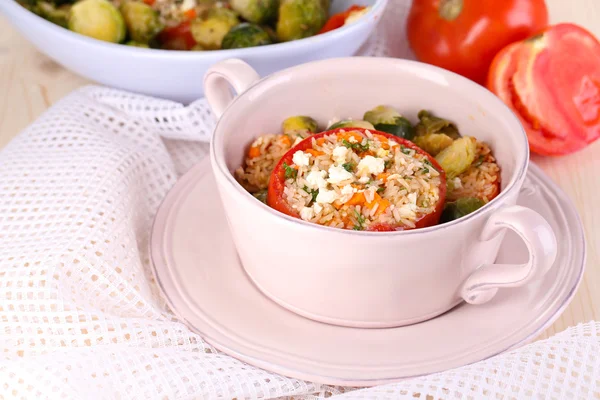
(348, 87)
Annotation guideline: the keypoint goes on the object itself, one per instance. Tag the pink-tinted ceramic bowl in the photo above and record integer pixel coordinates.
(372, 279)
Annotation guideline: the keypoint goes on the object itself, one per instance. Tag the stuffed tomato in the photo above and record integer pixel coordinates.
(360, 179)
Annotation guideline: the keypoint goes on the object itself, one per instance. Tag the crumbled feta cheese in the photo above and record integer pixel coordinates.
(298, 140)
(348, 189)
(457, 183)
(382, 152)
(371, 165)
(316, 179)
(352, 139)
(189, 4)
(301, 158)
(326, 196)
(364, 179)
(338, 174)
(339, 154)
(318, 208)
(307, 213)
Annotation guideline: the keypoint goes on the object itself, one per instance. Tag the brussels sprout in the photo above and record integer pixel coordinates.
(137, 44)
(458, 157)
(56, 15)
(210, 31)
(300, 18)
(299, 123)
(460, 208)
(386, 119)
(257, 11)
(98, 19)
(261, 196)
(431, 124)
(246, 35)
(433, 143)
(351, 123)
(143, 23)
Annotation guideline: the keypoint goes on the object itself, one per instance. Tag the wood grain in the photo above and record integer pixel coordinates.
(30, 83)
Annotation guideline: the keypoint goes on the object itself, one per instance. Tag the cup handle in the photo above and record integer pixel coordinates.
(483, 284)
(219, 79)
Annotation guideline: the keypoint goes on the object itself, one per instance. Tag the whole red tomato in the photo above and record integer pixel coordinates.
(463, 36)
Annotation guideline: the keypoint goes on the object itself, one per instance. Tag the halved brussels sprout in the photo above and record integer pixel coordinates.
(137, 44)
(299, 123)
(142, 21)
(351, 123)
(460, 208)
(433, 143)
(300, 18)
(246, 35)
(458, 157)
(57, 15)
(428, 123)
(210, 31)
(98, 19)
(386, 119)
(257, 11)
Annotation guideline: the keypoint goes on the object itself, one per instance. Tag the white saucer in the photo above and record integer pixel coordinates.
(198, 270)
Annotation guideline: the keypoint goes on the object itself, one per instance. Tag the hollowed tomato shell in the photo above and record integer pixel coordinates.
(275, 195)
(552, 82)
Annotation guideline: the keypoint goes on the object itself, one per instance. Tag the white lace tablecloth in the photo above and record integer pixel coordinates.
(80, 315)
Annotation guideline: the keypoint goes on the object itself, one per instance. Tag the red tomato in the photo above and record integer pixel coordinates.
(337, 20)
(276, 200)
(177, 37)
(463, 36)
(552, 82)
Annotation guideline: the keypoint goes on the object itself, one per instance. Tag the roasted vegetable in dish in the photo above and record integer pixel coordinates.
(193, 25)
(386, 119)
(354, 176)
(351, 123)
(300, 18)
(98, 19)
(246, 35)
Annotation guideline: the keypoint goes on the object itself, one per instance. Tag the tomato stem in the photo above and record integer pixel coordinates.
(450, 9)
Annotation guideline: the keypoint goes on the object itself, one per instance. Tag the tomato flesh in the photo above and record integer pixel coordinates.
(275, 193)
(177, 37)
(337, 20)
(552, 82)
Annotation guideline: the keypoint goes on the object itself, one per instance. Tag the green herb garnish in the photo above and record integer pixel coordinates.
(405, 150)
(289, 171)
(360, 220)
(313, 194)
(424, 170)
(348, 166)
(380, 190)
(356, 146)
(479, 161)
(387, 164)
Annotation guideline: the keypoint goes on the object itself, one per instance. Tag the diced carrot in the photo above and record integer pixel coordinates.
(285, 140)
(189, 14)
(383, 204)
(382, 177)
(348, 135)
(381, 138)
(254, 152)
(356, 199)
(385, 146)
(315, 153)
(320, 141)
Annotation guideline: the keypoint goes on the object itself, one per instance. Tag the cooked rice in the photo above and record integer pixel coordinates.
(377, 182)
(264, 153)
(481, 180)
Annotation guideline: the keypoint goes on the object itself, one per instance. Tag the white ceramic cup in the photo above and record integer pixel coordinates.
(372, 279)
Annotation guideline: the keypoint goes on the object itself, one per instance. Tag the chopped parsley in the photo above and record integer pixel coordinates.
(479, 161)
(349, 166)
(380, 190)
(313, 194)
(360, 221)
(356, 146)
(424, 170)
(388, 164)
(405, 150)
(289, 171)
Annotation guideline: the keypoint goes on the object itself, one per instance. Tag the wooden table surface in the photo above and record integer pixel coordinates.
(30, 83)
